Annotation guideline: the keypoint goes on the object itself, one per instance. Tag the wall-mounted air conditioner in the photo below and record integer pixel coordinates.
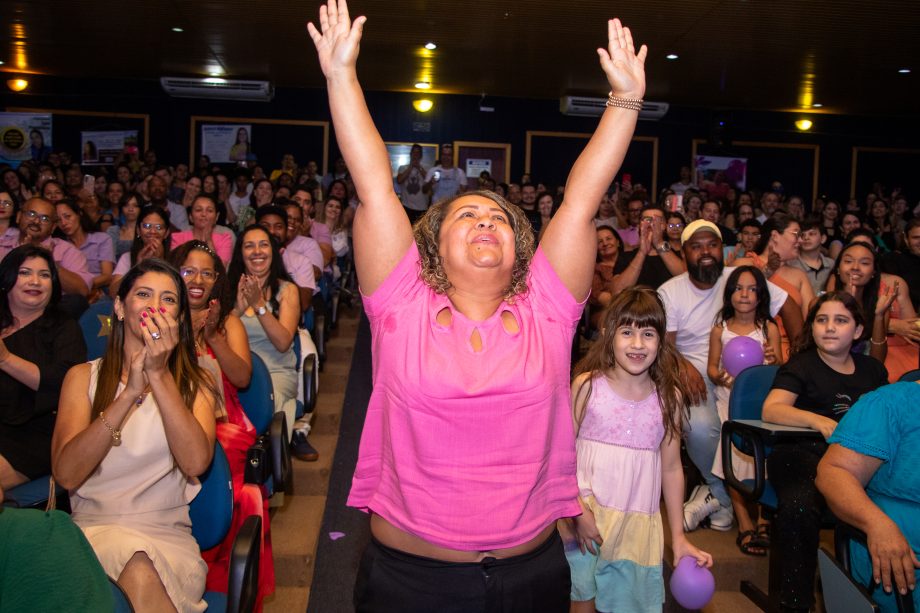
(582, 106)
(215, 87)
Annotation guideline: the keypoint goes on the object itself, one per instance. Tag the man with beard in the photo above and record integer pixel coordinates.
(692, 300)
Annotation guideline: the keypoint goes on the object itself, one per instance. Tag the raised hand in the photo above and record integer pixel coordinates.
(161, 335)
(338, 39)
(137, 381)
(211, 319)
(625, 69)
(887, 298)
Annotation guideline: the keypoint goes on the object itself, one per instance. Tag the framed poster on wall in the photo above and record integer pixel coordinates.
(473, 157)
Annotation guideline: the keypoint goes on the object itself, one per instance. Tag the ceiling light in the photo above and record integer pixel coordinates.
(17, 85)
(423, 85)
(816, 105)
(1, 62)
(672, 56)
(904, 71)
(178, 29)
(803, 124)
(430, 46)
(423, 105)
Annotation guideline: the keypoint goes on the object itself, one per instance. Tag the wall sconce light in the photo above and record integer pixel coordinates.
(422, 105)
(803, 124)
(17, 85)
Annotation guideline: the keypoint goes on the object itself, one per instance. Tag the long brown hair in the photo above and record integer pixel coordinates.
(182, 363)
(640, 306)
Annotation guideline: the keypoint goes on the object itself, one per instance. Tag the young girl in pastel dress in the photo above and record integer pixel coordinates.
(628, 414)
(745, 312)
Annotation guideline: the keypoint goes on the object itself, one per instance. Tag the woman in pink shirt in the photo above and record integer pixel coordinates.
(467, 456)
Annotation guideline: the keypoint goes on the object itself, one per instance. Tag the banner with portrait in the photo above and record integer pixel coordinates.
(103, 147)
(24, 136)
(226, 143)
(718, 174)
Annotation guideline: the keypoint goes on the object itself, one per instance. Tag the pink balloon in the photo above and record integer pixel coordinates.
(692, 586)
(741, 352)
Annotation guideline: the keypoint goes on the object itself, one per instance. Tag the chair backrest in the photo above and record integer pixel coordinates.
(258, 399)
(96, 324)
(841, 593)
(750, 389)
(911, 375)
(211, 511)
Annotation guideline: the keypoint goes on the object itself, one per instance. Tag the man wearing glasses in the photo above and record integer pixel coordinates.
(630, 233)
(653, 261)
(36, 222)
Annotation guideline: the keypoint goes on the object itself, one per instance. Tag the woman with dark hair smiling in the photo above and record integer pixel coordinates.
(134, 429)
(38, 345)
(96, 246)
(151, 240)
(268, 304)
(471, 332)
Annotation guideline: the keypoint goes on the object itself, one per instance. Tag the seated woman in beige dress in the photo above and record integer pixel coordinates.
(134, 429)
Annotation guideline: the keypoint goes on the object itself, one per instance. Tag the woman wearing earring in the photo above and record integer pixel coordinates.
(133, 430)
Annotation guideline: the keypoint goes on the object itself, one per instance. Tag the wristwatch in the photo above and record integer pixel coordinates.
(261, 311)
(663, 247)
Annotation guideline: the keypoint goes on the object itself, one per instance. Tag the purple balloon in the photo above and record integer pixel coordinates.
(692, 586)
(741, 352)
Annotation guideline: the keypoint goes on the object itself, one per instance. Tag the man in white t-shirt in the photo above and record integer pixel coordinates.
(410, 179)
(445, 179)
(692, 301)
(685, 183)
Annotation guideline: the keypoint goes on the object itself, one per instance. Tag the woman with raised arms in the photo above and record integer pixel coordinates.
(467, 457)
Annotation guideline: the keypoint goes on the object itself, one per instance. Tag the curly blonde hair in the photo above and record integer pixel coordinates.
(427, 231)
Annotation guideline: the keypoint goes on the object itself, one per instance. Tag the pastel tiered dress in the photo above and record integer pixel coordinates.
(619, 479)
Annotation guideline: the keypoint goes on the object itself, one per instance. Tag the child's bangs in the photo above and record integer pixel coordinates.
(643, 311)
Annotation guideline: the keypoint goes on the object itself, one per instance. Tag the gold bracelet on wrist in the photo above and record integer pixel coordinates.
(633, 104)
(116, 434)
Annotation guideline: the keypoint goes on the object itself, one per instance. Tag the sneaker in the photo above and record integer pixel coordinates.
(301, 447)
(699, 508)
(721, 520)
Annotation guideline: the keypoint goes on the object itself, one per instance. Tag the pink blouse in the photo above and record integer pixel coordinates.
(469, 450)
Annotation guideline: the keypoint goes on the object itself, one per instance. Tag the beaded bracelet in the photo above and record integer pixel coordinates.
(116, 434)
(878, 343)
(633, 104)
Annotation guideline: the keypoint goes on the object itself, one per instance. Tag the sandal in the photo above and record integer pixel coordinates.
(750, 546)
(763, 537)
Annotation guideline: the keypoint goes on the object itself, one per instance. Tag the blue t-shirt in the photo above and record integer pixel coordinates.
(885, 424)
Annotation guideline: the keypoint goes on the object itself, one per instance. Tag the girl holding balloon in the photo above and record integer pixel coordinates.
(814, 389)
(744, 335)
(628, 416)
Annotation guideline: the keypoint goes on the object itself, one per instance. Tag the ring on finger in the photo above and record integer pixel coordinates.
(155, 336)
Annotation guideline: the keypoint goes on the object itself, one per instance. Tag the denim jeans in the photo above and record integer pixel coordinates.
(703, 439)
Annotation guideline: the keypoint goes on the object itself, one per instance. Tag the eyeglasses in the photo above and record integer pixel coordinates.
(188, 272)
(652, 219)
(44, 219)
(795, 233)
(675, 226)
(153, 226)
(5, 204)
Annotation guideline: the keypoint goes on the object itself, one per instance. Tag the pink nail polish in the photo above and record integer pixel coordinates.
(162, 310)
(144, 314)
(143, 323)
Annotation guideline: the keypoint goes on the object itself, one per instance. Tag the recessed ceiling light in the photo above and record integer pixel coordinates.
(430, 46)
(816, 105)
(1, 62)
(178, 29)
(672, 56)
(804, 124)
(904, 70)
(423, 85)
(423, 106)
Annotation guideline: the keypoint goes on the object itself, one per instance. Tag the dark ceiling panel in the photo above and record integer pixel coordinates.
(755, 54)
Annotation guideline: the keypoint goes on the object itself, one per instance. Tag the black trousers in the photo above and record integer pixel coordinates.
(391, 581)
(800, 508)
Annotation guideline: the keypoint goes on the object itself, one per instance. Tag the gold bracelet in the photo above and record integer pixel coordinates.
(874, 342)
(633, 104)
(116, 434)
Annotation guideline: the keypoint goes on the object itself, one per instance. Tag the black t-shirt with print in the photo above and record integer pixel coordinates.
(823, 390)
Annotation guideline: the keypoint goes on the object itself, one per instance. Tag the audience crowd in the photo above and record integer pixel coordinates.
(251, 250)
